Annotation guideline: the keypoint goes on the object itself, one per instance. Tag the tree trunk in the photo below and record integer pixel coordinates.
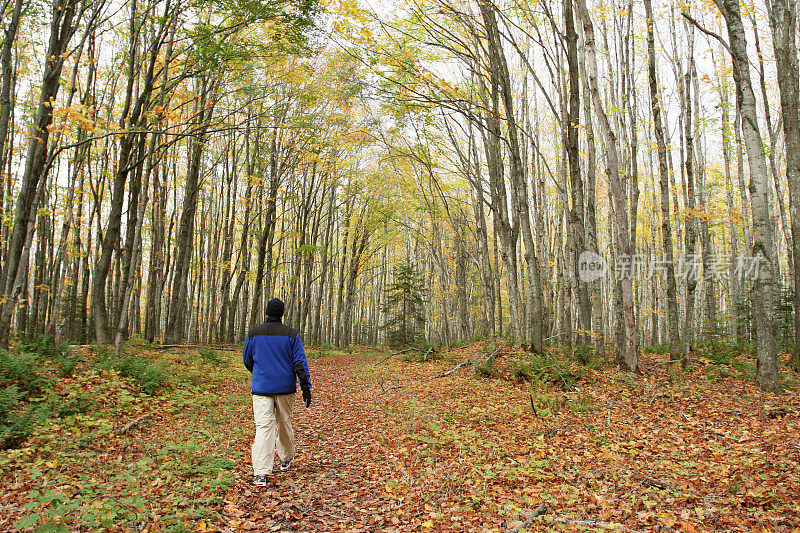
(762, 294)
(663, 172)
(519, 192)
(184, 244)
(691, 266)
(62, 27)
(576, 214)
(631, 348)
(783, 21)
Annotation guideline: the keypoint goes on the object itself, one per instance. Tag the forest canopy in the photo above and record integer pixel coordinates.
(599, 173)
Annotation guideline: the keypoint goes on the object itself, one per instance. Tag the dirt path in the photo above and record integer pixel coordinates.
(334, 483)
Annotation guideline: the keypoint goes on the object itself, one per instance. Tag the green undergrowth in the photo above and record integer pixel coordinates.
(327, 350)
(563, 374)
(422, 355)
(96, 441)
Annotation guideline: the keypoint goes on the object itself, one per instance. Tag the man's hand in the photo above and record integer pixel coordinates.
(307, 396)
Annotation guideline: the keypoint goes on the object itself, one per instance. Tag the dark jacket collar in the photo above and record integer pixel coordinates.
(273, 319)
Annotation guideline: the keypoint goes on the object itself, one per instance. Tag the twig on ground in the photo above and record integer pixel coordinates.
(210, 436)
(130, 425)
(475, 363)
(645, 480)
(554, 429)
(435, 376)
(528, 521)
(390, 355)
(595, 523)
(653, 482)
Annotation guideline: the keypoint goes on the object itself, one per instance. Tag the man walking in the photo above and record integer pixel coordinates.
(274, 355)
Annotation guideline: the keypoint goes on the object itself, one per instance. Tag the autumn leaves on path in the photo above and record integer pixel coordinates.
(392, 448)
(334, 481)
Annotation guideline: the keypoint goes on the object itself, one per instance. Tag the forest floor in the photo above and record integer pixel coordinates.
(400, 446)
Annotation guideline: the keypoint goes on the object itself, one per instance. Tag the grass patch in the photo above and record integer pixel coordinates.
(656, 348)
(148, 376)
(582, 404)
(71, 468)
(212, 357)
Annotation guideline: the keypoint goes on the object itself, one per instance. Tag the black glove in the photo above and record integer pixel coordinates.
(305, 384)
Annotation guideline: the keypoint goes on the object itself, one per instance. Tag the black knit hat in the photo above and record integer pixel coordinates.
(275, 308)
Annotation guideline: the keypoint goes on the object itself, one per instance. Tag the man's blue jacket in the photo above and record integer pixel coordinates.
(271, 352)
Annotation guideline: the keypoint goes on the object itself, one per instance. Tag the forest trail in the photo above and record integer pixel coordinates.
(414, 443)
(334, 482)
(398, 448)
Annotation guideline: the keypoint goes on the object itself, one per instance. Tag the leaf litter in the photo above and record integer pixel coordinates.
(410, 447)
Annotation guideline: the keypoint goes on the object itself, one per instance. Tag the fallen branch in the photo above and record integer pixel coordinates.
(528, 521)
(591, 523)
(133, 423)
(595, 523)
(652, 482)
(425, 357)
(443, 374)
(475, 364)
(196, 346)
(390, 355)
(670, 361)
(435, 376)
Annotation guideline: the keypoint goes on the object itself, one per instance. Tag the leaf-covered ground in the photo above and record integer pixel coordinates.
(388, 448)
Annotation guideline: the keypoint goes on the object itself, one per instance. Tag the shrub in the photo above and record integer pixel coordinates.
(210, 356)
(23, 369)
(488, 368)
(146, 375)
(629, 380)
(544, 368)
(421, 356)
(582, 404)
(548, 403)
(746, 370)
(135, 341)
(723, 353)
(15, 430)
(45, 347)
(656, 348)
(72, 405)
(9, 396)
(582, 355)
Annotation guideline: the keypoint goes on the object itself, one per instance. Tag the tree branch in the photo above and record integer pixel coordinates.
(528, 521)
(710, 33)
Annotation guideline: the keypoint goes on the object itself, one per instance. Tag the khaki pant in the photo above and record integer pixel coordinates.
(273, 417)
